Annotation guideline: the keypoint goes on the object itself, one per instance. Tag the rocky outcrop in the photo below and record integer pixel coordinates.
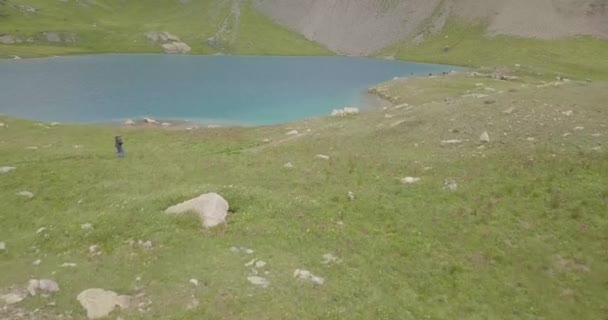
(365, 27)
(9, 39)
(170, 43)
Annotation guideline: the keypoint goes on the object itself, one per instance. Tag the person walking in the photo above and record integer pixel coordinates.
(120, 152)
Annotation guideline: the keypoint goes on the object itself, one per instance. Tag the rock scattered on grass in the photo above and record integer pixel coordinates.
(86, 226)
(450, 142)
(288, 165)
(145, 244)
(305, 275)
(485, 137)
(409, 180)
(37, 262)
(14, 297)
(330, 258)
(322, 157)
(7, 169)
(150, 121)
(347, 111)
(259, 281)
(567, 113)
(95, 250)
(2, 246)
(194, 282)
(579, 128)
(292, 133)
(99, 303)
(241, 249)
(129, 122)
(26, 194)
(351, 196)
(69, 265)
(211, 208)
(44, 286)
(40, 230)
(450, 185)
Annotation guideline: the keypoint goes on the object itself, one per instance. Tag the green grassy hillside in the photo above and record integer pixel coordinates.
(524, 235)
(119, 26)
(465, 44)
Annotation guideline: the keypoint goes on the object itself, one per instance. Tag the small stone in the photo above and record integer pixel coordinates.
(2, 245)
(259, 281)
(147, 244)
(234, 250)
(250, 263)
(37, 262)
(409, 180)
(12, 298)
(260, 264)
(509, 110)
(567, 113)
(531, 139)
(248, 251)
(86, 226)
(69, 265)
(566, 134)
(129, 122)
(292, 133)
(351, 196)
(450, 142)
(579, 128)
(288, 165)
(322, 157)
(26, 194)
(165, 124)
(485, 137)
(41, 230)
(7, 169)
(330, 258)
(194, 282)
(32, 148)
(450, 185)
(598, 148)
(95, 249)
(43, 285)
(150, 120)
(306, 275)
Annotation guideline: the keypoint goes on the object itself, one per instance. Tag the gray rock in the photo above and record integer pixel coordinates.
(259, 281)
(330, 258)
(9, 39)
(409, 180)
(14, 297)
(99, 303)
(176, 47)
(450, 142)
(485, 137)
(322, 157)
(292, 133)
(211, 208)
(162, 37)
(450, 185)
(52, 37)
(86, 226)
(305, 275)
(26, 8)
(7, 169)
(26, 194)
(45, 286)
(2, 245)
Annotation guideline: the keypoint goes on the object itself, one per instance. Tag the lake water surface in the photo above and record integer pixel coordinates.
(248, 90)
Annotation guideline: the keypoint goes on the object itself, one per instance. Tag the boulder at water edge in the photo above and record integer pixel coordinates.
(211, 208)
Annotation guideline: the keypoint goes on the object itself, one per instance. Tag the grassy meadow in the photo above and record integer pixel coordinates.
(524, 236)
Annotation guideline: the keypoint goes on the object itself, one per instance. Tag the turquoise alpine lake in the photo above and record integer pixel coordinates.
(247, 90)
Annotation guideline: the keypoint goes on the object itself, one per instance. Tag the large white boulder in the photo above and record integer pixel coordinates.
(99, 303)
(211, 208)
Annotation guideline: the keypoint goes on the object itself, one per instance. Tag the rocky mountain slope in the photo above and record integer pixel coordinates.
(366, 26)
